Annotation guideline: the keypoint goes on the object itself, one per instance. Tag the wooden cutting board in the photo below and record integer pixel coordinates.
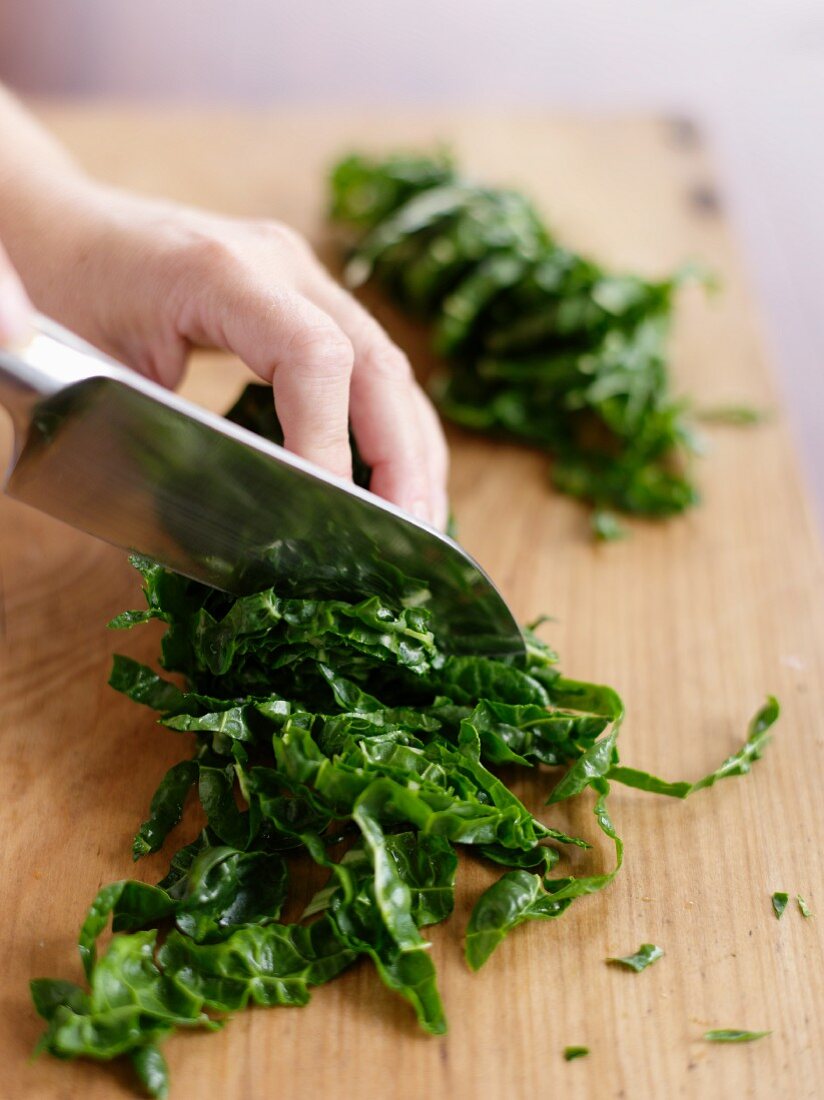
(694, 621)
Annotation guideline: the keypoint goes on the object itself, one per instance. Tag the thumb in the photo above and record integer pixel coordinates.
(15, 308)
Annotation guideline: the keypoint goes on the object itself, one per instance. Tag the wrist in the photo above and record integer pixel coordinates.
(85, 259)
(45, 228)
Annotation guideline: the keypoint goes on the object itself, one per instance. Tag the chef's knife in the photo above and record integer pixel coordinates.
(107, 451)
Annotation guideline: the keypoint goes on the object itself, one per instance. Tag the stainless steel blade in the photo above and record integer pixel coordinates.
(115, 455)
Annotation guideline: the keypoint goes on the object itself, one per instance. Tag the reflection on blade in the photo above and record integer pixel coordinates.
(149, 472)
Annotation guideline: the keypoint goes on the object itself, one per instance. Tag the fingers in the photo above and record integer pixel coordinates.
(396, 428)
(437, 454)
(293, 344)
(15, 308)
(329, 362)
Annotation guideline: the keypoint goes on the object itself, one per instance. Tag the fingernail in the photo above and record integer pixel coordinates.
(15, 311)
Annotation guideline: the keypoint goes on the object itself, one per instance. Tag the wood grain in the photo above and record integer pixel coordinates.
(693, 621)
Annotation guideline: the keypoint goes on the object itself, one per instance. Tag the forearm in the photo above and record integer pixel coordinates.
(47, 206)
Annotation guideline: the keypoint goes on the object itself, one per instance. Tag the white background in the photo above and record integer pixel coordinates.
(751, 70)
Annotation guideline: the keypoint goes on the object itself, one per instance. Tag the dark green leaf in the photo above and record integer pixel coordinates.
(737, 764)
(273, 964)
(225, 889)
(49, 995)
(516, 897)
(646, 954)
(152, 1071)
(779, 903)
(571, 1053)
(538, 343)
(136, 904)
(143, 685)
(321, 721)
(592, 764)
(166, 808)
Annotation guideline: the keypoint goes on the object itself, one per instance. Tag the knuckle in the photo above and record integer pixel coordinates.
(387, 363)
(322, 349)
(282, 236)
(207, 256)
(331, 437)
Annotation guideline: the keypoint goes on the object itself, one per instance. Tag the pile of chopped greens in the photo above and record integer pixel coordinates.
(337, 733)
(537, 342)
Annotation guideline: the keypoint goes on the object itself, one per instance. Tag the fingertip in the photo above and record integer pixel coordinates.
(407, 490)
(441, 510)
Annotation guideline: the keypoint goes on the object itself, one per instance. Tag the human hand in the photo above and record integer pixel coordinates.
(146, 281)
(14, 305)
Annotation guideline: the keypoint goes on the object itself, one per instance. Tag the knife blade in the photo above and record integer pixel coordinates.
(113, 454)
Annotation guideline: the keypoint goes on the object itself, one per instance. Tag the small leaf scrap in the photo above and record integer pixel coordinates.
(779, 903)
(645, 956)
(732, 1035)
(571, 1053)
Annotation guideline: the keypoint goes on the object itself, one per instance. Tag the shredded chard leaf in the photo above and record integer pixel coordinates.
(645, 956)
(338, 732)
(536, 342)
(731, 1035)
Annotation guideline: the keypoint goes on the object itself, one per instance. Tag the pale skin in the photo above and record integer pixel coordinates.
(147, 280)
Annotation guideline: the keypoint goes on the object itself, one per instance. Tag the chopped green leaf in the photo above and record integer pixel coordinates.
(779, 903)
(516, 897)
(341, 734)
(737, 764)
(802, 905)
(571, 1053)
(730, 1035)
(538, 343)
(645, 956)
(152, 1071)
